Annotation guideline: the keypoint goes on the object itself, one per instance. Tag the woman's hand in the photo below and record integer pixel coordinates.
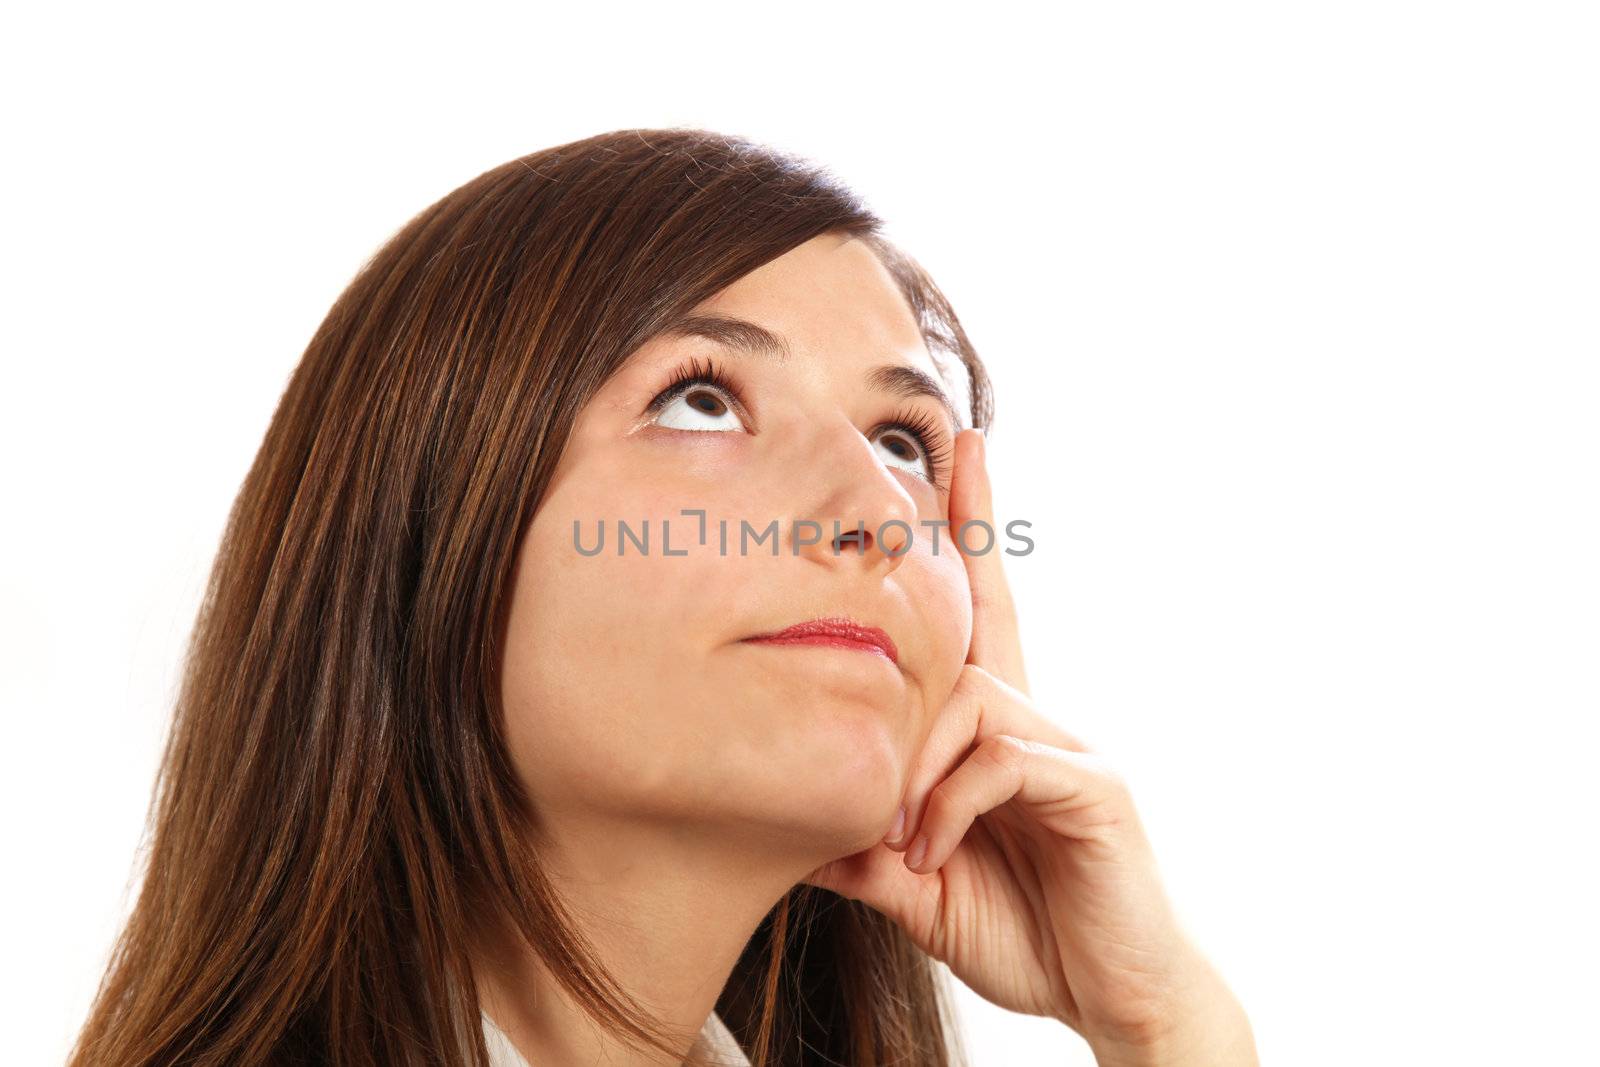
(1025, 868)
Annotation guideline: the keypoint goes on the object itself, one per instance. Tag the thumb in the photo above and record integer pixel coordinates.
(842, 876)
(876, 877)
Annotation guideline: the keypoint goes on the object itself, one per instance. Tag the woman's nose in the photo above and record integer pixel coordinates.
(866, 517)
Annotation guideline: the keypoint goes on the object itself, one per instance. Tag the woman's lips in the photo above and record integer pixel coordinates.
(839, 633)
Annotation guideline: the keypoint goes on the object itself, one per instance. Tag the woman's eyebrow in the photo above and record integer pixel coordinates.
(741, 335)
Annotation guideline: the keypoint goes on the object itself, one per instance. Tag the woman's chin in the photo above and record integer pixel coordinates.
(847, 818)
(858, 779)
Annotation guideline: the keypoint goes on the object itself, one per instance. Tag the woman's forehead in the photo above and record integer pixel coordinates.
(827, 309)
(830, 297)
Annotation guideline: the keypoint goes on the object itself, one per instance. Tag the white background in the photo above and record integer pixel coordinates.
(1292, 316)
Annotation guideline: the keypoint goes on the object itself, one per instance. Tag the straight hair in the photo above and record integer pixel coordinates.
(336, 811)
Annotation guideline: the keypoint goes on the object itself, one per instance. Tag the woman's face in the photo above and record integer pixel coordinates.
(629, 689)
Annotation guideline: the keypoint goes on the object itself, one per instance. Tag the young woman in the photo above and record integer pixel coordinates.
(583, 676)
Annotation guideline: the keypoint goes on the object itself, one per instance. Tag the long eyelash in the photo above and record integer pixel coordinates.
(924, 429)
(691, 374)
(920, 425)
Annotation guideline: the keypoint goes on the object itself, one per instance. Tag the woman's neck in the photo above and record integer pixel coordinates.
(668, 913)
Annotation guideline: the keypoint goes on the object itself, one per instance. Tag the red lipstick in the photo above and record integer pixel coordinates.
(838, 632)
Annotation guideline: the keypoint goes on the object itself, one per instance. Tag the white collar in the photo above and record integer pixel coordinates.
(715, 1040)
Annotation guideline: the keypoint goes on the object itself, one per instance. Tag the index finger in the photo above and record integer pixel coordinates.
(996, 645)
(980, 706)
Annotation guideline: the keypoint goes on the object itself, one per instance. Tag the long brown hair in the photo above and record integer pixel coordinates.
(336, 809)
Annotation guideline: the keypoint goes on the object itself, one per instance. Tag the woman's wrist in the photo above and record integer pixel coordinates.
(1208, 1027)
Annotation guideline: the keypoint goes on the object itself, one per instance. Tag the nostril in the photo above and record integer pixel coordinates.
(858, 540)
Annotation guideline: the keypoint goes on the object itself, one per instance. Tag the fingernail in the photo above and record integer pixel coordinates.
(899, 826)
(918, 850)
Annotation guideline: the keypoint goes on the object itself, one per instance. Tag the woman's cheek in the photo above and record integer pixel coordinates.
(948, 597)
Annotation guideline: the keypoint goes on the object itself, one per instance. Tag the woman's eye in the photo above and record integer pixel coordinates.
(900, 449)
(698, 407)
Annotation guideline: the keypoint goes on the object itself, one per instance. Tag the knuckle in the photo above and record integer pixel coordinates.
(938, 803)
(1114, 778)
(973, 679)
(1006, 751)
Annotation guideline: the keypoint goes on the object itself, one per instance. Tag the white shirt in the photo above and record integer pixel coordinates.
(715, 1040)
